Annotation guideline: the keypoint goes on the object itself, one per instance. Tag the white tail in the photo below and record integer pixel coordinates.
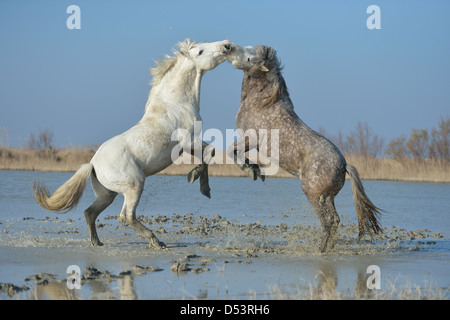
(66, 197)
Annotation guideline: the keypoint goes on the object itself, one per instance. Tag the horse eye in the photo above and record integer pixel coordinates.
(200, 52)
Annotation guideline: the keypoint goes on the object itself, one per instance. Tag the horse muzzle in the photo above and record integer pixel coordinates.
(226, 47)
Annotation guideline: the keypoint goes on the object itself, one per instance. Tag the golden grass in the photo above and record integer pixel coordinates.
(430, 170)
(70, 159)
(64, 160)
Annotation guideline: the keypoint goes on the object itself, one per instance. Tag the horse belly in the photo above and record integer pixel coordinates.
(158, 162)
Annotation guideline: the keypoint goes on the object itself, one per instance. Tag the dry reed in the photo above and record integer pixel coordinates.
(63, 160)
(370, 168)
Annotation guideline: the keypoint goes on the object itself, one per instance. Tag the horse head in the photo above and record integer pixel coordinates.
(206, 56)
(260, 58)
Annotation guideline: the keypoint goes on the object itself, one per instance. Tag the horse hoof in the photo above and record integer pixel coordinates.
(193, 175)
(252, 174)
(97, 243)
(157, 245)
(253, 171)
(326, 246)
(206, 193)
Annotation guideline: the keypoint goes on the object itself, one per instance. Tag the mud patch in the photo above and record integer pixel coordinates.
(212, 249)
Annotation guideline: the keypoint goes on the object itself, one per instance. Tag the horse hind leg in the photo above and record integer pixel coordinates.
(131, 200)
(91, 215)
(333, 221)
(326, 212)
(104, 198)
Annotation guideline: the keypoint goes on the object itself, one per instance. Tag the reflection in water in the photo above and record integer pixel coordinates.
(98, 289)
(53, 291)
(326, 284)
(324, 279)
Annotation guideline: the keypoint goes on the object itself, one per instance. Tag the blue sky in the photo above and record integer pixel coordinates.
(91, 84)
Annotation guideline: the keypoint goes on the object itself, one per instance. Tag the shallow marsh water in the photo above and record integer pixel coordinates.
(252, 240)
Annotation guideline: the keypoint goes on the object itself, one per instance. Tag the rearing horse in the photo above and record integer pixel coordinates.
(122, 163)
(318, 163)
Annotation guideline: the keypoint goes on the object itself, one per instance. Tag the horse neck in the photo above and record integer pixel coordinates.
(258, 89)
(179, 88)
(259, 94)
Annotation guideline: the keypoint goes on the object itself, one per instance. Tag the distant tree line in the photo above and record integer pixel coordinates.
(420, 145)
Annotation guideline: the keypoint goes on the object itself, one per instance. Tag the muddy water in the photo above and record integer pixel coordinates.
(251, 240)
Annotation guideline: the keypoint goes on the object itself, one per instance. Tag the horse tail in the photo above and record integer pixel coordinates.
(67, 196)
(367, 212)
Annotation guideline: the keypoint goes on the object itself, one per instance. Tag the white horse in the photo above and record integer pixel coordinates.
(122, 163)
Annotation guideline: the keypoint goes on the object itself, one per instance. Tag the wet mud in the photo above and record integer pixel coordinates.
(205, 246)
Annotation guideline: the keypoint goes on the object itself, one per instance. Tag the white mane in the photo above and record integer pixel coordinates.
(164, 65)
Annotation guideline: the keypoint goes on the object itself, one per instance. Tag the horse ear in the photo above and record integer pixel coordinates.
(185, 46)
(262, 67)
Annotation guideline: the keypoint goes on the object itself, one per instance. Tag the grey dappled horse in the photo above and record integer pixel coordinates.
(265, 104)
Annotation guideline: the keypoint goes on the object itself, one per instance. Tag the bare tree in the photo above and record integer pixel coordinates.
(42, 142)
(440, 140)
(364, 142)
(397, 148)
(46, 138)
(418, 144)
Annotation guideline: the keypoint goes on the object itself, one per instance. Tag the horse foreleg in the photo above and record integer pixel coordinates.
(237, 152)
(201, 171)
(204, 182)
(253, 171)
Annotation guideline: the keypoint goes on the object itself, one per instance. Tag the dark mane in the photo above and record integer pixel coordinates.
(269, 56)
(268, 59)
